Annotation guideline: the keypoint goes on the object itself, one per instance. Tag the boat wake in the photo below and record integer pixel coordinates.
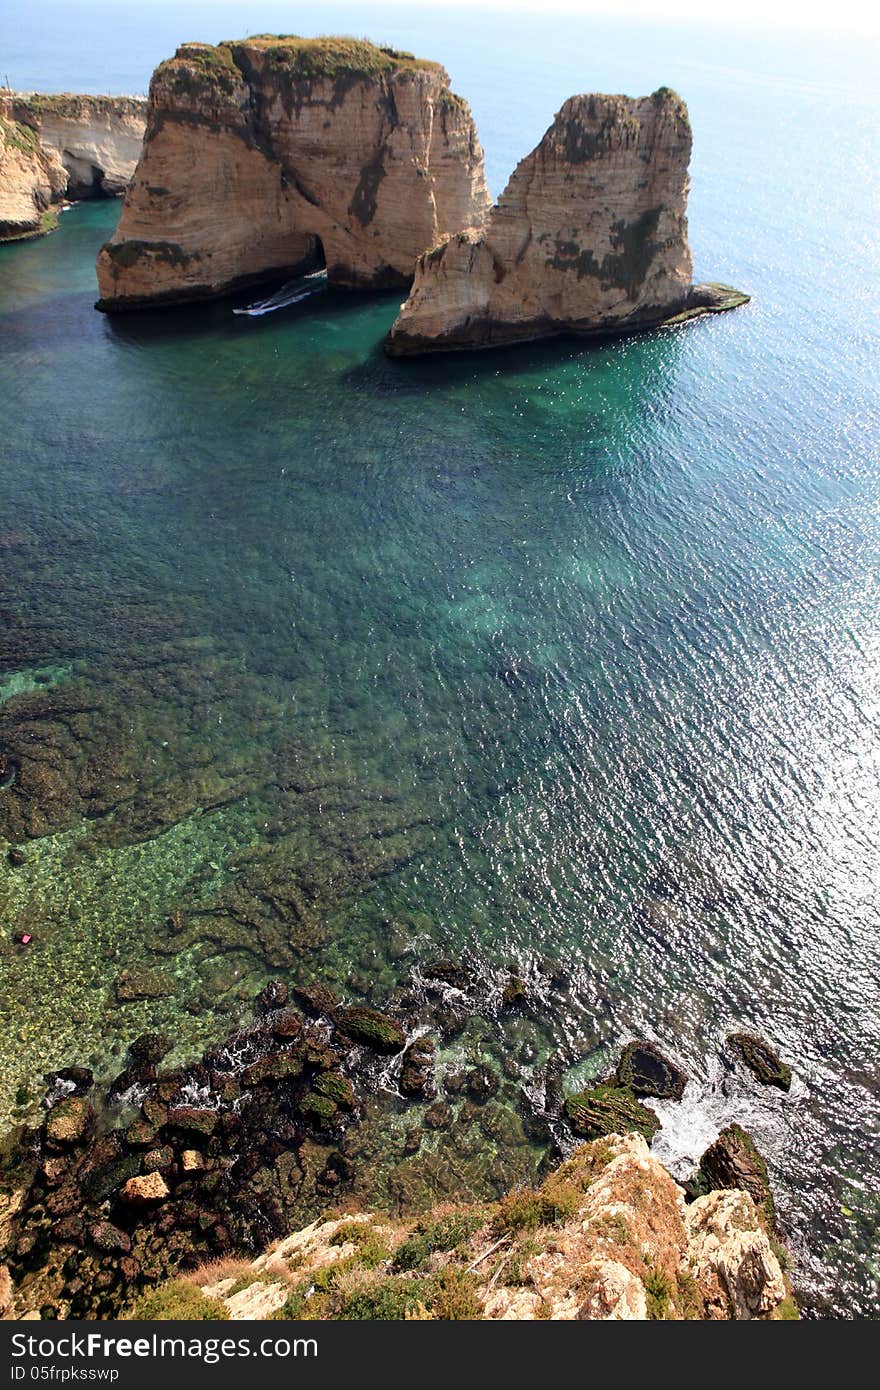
(291, 292)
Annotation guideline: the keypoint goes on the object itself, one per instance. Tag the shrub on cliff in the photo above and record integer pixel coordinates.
(177, 1300)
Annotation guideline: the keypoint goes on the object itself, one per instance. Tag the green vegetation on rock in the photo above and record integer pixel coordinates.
(335, 1087)
(74, 105)
(19, 136)
(762, 1061)
(609, 1109)
(438, 1236)
(658, 1294)
(372, 1028)
(331, 56)
(734, 1161)
(177, 1300)
(528, 1208)
(125, 254)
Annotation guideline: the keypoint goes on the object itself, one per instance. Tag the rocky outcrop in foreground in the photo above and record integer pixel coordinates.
(588, 237)
(277, 155)
(608, 1236)
(121, 1193)
(62, 148)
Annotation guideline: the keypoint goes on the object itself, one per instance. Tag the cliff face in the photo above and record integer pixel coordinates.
(608, 1236)
(282, 154)
(31, 180)
(54, 148)
(589, 236)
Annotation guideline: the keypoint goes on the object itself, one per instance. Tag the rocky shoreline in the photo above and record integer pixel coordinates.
(121, 1188)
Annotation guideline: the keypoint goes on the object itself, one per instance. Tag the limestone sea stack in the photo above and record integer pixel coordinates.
(588, 237)
(57, 148)
(279, 155)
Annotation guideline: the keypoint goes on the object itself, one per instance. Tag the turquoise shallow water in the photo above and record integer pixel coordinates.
(564, 652)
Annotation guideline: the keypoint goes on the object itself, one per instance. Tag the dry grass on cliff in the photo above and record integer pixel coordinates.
(604, 1236)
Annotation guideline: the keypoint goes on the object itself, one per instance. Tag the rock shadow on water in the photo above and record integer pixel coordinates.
(206, 318)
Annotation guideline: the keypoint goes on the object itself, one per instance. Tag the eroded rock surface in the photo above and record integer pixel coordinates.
(588, 237)
(278, 155)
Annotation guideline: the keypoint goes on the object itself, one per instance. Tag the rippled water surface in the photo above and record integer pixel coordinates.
(332, 663)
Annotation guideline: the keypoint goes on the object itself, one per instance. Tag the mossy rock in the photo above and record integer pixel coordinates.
(316, 999)
(281, 1066)
(645, 1071)
(318, 1110)
(608, 1109)
(99, 1184)
(734, 1161)
(761, 1060)
(373, 1029)
(140, 1135)
(186, 1119)
(336, 1087)
(158, 1160)
(68, 1121)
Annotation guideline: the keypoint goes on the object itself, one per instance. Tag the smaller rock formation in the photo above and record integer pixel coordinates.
(733, 1161)
(607, 1237)
(609, 1109)
(647, 1072)
(371, 1028)
(62, 148)
(589, 237)
(761, 1060)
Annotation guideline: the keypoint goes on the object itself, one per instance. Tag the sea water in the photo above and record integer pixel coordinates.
(563, 653)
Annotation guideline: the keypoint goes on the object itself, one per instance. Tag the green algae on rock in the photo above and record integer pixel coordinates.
(372, 1028)
(733, 1160)
(761, 1060)
(609, 1109)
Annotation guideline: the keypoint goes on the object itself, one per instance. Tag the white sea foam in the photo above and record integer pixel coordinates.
(690, 1125)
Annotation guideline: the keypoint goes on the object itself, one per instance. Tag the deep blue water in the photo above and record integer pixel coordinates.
(562, 652)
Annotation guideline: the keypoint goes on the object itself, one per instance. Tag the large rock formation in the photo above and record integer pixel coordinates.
(589, 237)
(277, 155)
(606, 1237)
(57, 148)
